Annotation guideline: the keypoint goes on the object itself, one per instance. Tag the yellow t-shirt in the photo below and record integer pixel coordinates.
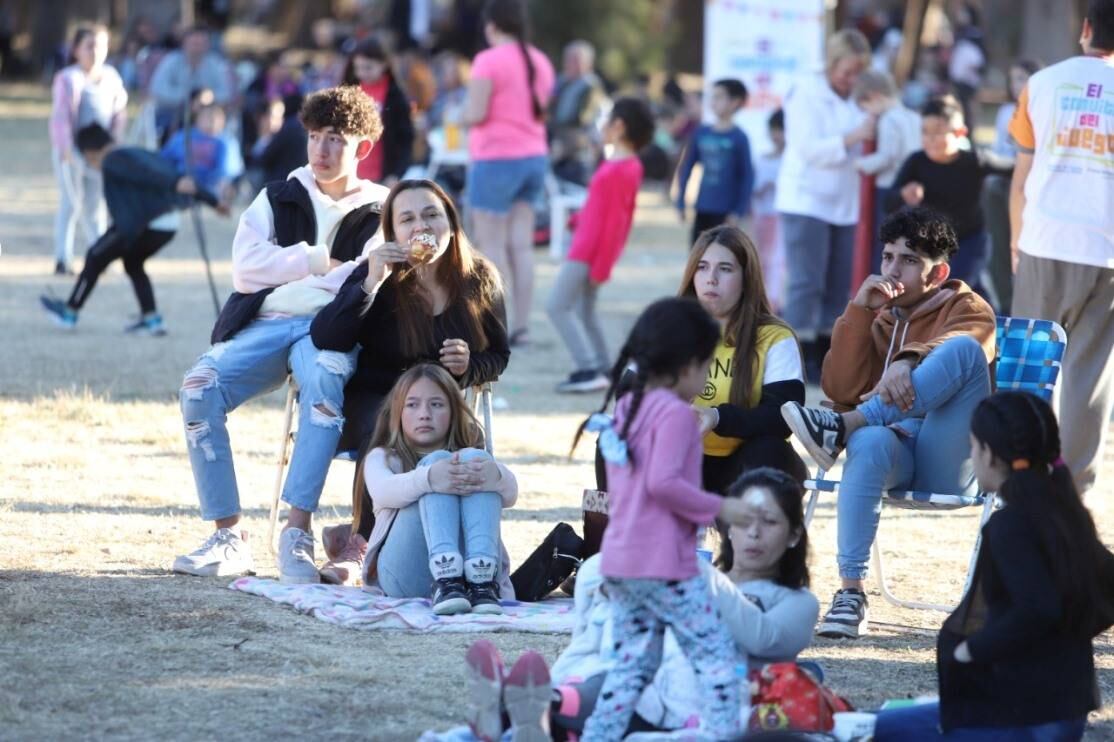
(717, 389)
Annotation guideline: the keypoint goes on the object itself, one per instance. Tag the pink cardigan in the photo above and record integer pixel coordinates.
(392, 490)
(66, 94)
(657, 503)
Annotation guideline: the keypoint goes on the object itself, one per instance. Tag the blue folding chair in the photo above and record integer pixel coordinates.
(479, 396)
(1029, 355)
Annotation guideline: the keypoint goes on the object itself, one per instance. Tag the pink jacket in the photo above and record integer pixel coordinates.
(657, 503)
(392, 491)
(66, 93)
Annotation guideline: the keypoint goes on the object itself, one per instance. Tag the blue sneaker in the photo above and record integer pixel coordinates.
(59, 313)
(150, 324)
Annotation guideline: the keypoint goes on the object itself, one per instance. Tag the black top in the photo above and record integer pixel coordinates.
(1027, 668)
(765, 417)
(381, 361)
(139, 186)
(952, 188)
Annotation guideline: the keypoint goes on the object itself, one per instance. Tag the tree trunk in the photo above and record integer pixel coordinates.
(915, 12)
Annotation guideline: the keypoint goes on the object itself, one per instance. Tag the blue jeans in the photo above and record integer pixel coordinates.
(926, 448)
(438, 524)
(255, 361)
(818, 259)
(922, 722)
(496, 185)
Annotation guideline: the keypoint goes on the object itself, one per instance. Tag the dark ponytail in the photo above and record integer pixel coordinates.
(1021, 430)
(668, 335)
(509, 16)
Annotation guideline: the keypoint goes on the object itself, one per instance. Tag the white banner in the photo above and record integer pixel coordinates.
(765, 43)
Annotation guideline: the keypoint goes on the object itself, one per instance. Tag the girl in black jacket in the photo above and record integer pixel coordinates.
(424, 296)
(369, 67)
(1015, 659)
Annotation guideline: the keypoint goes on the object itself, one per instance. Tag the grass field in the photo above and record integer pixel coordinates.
(99, 640)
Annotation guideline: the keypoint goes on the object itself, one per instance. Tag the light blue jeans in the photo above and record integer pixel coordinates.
(926, 448)
(438, 524)
(255, 361)
(922, 722)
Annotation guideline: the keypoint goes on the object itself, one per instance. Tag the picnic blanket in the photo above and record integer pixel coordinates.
(352, 608)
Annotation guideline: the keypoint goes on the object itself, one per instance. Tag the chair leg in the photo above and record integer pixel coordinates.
(987, 510)
(888, 594)
(489, 433)
(284, 450)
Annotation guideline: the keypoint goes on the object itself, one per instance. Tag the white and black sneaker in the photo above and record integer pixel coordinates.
(580, 382)
(847, 618)
(450, 596)
(484, 597)
(820, 431)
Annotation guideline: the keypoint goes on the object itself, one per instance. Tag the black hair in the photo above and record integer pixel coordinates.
(638, 121)
(668, 335)
(92, 138)
(947, 108)
(792, 568)
(735, 89)
(926, 231)
(1100, 14)
(509, 16)
(1021, 430)
(370, 48)
(777, 120)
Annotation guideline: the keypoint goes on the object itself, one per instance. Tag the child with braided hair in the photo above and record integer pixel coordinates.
(653, 457)
(1015, 658)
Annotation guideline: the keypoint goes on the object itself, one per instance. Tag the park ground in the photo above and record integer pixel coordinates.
(99, 640)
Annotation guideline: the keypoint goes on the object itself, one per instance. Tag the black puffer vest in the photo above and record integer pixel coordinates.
(295, 222)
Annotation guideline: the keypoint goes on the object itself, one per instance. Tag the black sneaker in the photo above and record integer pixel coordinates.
(484, 597)
(59, 312)
(820, 431)
(61, 269)
(450, 596)
(584, 381)
(847, 618)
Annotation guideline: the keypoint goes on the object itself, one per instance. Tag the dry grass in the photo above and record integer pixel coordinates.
(99, 640)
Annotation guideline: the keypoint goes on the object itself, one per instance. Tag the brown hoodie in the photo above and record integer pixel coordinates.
(865, 341)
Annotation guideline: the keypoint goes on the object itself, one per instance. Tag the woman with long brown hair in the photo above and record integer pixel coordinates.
(438, 498)
(757, 365)
(423, 296)
(370, 67)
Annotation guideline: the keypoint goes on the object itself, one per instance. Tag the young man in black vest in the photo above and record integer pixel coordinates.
(294, 247)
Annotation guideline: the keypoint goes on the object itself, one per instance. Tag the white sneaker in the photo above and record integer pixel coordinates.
(223, 554)
(295, 558)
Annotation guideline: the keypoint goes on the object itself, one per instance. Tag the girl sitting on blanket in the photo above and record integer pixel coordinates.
(436, 498)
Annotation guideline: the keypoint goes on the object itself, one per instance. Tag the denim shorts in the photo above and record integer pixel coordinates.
(494, 185)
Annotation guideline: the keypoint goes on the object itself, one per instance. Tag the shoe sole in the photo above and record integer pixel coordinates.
(841, 631)
(791, 414)
(452, 606)
(527, 695)
(299, 580)
(214, 570)
(485, 690)
(582, 387)
(488, 609)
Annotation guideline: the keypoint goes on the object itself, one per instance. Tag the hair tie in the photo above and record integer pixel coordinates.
(1020, 464)
(612, 447)
(1059, 463)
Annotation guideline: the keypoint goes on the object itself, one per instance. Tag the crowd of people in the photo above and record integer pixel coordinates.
(362, 282)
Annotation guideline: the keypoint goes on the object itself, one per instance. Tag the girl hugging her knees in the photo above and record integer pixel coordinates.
(652, 451)
(437, 498)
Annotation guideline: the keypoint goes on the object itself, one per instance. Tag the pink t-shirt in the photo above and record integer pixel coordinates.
(603, 225)
(510, 130)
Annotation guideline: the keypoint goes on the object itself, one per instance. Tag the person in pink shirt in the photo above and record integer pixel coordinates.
(505, 108)
(648, 558)
(601, 233)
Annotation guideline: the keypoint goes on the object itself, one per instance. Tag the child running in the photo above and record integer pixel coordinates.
(601, 233)
(1016, 659)
(142, 190)
(648, 559)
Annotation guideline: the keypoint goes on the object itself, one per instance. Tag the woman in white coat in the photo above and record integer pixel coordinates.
(818, 193)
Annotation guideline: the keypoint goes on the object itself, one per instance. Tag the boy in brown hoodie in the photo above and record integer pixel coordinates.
(910, 360)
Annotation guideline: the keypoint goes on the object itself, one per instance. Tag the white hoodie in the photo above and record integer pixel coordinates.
(299, 273)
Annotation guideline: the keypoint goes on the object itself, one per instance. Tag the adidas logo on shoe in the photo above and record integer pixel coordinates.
(445, 565)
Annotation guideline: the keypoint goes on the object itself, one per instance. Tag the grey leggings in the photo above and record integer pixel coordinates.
(573, 302)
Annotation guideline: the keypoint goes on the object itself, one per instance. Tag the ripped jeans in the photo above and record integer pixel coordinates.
(255, 361)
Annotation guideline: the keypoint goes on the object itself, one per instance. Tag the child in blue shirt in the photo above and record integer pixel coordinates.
(724, 151)
(210, 163)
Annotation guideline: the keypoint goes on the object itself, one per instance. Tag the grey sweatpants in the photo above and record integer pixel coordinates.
(1081, 298)
(818, 258)
(573, 302)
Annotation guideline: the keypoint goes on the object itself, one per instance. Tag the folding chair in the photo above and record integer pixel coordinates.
(563, 198)
(479, 396)
(1029, 354)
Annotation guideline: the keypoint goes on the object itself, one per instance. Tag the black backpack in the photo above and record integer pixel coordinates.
(550, 564)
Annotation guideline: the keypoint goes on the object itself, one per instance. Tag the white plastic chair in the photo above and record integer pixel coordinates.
(479, 396)
(1029, 355)
(562, 200)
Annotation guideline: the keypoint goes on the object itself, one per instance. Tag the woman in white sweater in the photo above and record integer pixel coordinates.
(818, 193)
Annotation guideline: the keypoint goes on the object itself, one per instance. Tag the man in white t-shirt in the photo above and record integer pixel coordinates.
(1062, 225)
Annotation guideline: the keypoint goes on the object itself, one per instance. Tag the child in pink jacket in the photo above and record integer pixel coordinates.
(648, 558)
